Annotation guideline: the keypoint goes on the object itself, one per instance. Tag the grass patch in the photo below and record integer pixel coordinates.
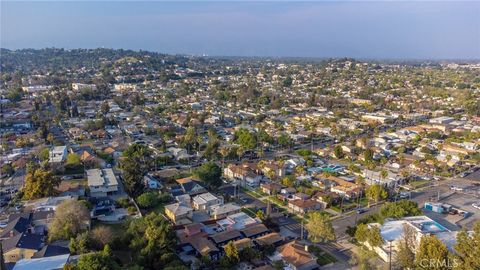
(323, 258)
(250, 212)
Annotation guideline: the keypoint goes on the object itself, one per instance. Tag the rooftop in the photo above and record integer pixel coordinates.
(101, 177)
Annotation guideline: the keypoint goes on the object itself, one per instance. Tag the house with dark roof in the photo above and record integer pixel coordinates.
(50, 251)
(15, 227)
(274, 239)
(222, 238)
(255, 230)
(21, 246)
(191, 188)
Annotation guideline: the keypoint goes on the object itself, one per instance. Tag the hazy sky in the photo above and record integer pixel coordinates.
(388, 29)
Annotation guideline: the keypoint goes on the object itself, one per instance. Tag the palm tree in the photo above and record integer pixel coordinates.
(224, 151)
(240, 152)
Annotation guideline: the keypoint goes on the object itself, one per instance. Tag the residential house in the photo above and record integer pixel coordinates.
(222, 238)
(102, 182)
(297, 257)
(244, 173)
(271, 188)
(45, 263)
(178, 212)
(273, 238)
(21, 246)
(58, 154)
(255, 230)
(223, 210)
(304, 206)
(205, 200)
(188, 186)
(375, 177)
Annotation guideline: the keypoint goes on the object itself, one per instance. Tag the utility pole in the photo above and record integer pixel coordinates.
(390, 256)
(301, 234)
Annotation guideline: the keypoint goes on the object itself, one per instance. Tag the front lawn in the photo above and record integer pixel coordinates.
(323, 258)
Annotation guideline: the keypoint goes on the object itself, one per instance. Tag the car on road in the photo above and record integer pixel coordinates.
(455, 188)
(3, 224)
(67, 177)
(361, 210)
(244, 200)
(464, 174)
(476, 205)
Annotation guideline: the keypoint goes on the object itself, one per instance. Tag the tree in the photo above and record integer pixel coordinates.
(405, 255)
(368, 154)
(284, 140)
(278, 265)
(134, 165)
(79, 244)
(73, 160)
(374, 237)
(104, 108)
(101, 260)
(260, 214)
(320, 227)
(246, 139)
(231, 252)
(101, 236)
(7, 170)
(39, 184)
(224, 152)
(210, 173)
(467, 249)
(71, 218)
(152, 241)
(44, 154)
(375, 193)
(431, 253)
(50, 138)
(147, 200)
(338, 151)
(288, 181)
(361, 233)
(402, 208)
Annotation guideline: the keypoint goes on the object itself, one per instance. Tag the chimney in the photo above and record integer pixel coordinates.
(306, 248)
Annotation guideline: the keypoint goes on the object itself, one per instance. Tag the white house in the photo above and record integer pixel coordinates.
(375, 178)
(58, 154)
(205, 200)
(101, 182)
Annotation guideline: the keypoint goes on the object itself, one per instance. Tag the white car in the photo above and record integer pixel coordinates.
(476, 205)
(456, 188)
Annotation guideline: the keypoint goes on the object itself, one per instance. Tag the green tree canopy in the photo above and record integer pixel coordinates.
(431, 254)
(320, 227)
(39, 184)
(376, 193)
(210, 173)
(246, 139)
(71, 218)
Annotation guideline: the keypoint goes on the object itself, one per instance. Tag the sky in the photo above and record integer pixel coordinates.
(374, 30)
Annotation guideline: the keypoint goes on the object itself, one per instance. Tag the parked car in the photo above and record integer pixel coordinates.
(361, 210)
(476, 205)
(456, 188)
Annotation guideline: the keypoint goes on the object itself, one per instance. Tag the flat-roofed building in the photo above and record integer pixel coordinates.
(205, 200)
(58, 154)
(101, 182)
